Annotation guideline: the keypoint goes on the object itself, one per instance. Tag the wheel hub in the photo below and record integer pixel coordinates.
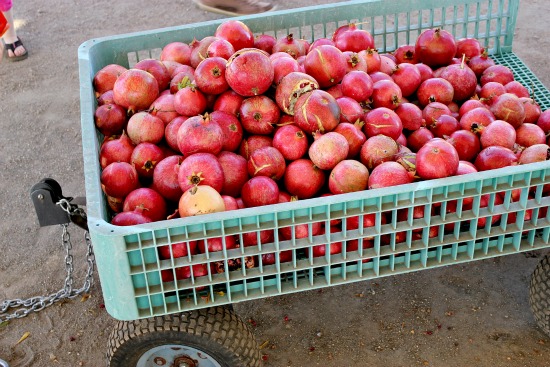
(172, 355)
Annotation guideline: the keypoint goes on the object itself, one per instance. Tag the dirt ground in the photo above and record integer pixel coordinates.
(465, 315)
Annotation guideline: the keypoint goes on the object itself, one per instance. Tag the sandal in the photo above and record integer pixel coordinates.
(12, 47)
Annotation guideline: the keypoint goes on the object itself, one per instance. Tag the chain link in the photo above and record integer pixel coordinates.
(35, 304)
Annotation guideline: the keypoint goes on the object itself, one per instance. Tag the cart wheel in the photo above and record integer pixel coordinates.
(211, 337)
(539, 294)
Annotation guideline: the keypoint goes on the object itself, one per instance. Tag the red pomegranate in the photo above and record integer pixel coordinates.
(163, 108)
(407, 77)
(210, 75)
(116, 150)
(357, 85)
(327, 150)
(266, 161)
(350, 110)
(418, 138)
(130, 219)
(231, 128)
(468, 47)
(535, 153)
(499, 133)
(410, 116)
(200, 134)
(220, 48)
(145, 157)
(355, 62)
(530, 134)
(229, 101)
(462, 79)
(532, 110)
(435, 47)
(388, 174)
(201, 169)
(497, 73)
(378, 149)
(386, 94)
(249, 72)
(435, 90)
(382, 121)
(118, 179)
(292, 46)
(291, 141)
(235, 172)
(303, 179)
(179, 249)
(237, 33)
(348, 175)
(145, 128)
(171, 132)
(326, 64)
(316, 111)
(176, 51)
(509, 108)
(110, 119)
(147, 202)
(405, 53)
(479, 63)
(258, 115)
(466, 143)
(265, 42)
(282, 66)
(135, 90)
(259, 191)
(495, 157)
(372, 58)
(253, 142)
(291, 87)
(354, 135)
(104, 79)
(165, 178)
(436, 159)
(351, 38)
(157, 69)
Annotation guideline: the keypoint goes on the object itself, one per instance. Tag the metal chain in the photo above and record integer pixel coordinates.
(35, 304)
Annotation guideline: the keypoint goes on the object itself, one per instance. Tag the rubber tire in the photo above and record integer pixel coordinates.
(217, 331)
(539, 294)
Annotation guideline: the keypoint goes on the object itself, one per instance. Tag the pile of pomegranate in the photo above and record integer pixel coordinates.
(236, 121)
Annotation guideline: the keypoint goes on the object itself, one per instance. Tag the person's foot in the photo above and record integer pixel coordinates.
(15, 51)
(235, 7)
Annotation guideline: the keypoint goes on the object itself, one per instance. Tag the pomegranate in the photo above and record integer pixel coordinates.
(408, 160)
(135, 90)
(116, 150)
(258, 237)
(271, 258)
(229, 101)
(283, 66)
(407, 77)
(301, 231)
(509, 108)
(354, 135)
(435, 90)
(378, 75)
(253, 142)
(249, 72)
(237, 33)
(215, 244)
(190, 101)
(530, 134)
(303, 179)
(495, 157)
(231, 128)
(410, 116)
(351, 38)
(433, 111)
(147, 202)
(348, 175)
(326, 64)
(355, 62)
(497, 73)
(532, 110)
(320, 41)
(321, 250)
(350, 110)
(176, 51)
(291, 87)
(517, 88)
(426, 72)
(544, 122)
(220, 48)
(201, 169)
(200, 134)
(535, 153)
(387, 64)
(259, 114)
(435, 47)
(468, 48)
(378, 149)
(145, 157)
(291, 141)
(118, 179)
(110, 119)
(210, 76)
(469, 105)
(106, 98)
(476, 117)
(436, 159)
(386, 94)
(165, 178)
(466, 143)
(129, 219)
(444, 126)
(388, 174)
(179, 249)
(235, 172)
(292, 46)
(462, 79)
(157, 69)
(478, 64)
(499, 133)
(357, 85)
(171, 132)
(372, 58)
(199, 200)
(259, 191)
(327, 150)
(383, 121)
(266, 161)
(418, 138)
(182, 79)
(144, 127)
(104, 79)
(316, 111)
(405, 53)
(163, 108)
(265, 42)
(490, 91)
(465, 167)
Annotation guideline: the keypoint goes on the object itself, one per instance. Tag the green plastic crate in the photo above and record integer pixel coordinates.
(127, 257)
